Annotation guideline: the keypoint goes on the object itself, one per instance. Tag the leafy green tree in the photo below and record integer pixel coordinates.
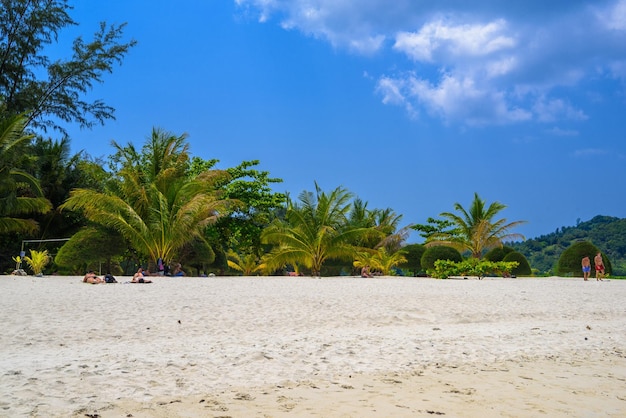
(475, 230)
(58, 172)
(498, 253)
(570, 260)
(90, 248)
(154, 205)
(51, 91)
(522, 268)
(434, 226)
(257, 205)
(20, 193)
(315, 229)
(197, 254)
(413, 255)
(359, 216)
(440, 252)
(383, 226)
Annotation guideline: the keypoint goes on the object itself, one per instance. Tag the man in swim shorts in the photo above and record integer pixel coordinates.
(586, 267)
(597, 260)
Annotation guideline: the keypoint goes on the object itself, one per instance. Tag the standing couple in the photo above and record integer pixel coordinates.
(597, 261)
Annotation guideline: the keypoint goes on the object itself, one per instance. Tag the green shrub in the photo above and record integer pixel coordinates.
(37, 261)
(413, 255)
(439, 252)
(498, 253)
(472, 267)
(523, 267)
(570, 261)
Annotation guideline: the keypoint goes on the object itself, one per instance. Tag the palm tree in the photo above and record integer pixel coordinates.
(154, 205)
(386, 261)
(475, 231)
(387, 222)
(247, 264)
(380, 260)
(316, 229)
(20, 193)
(383, 225)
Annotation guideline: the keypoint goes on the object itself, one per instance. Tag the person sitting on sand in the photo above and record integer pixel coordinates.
(139, 277)
(178, 271)
(91, 278)
(365, 272)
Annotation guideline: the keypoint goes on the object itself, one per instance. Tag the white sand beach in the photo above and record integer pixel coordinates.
(307, 347)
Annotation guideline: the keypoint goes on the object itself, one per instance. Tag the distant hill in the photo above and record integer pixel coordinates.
(605, 232)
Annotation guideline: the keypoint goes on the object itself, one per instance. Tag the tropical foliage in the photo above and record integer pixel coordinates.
(522, 268)
(247, 264)
(413, 254)
(315, 229)
(472, 267)
(439, 252)
(474, 230)
(498, 253)
(380, 260)
(37, 261)
(20, 193)
(52, 92)
(92, 248)
(152, 202)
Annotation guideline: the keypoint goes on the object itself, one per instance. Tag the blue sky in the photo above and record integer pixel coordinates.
(411, 105)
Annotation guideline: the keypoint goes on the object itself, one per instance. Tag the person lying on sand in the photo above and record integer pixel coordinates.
(139, 277)
(91, 278)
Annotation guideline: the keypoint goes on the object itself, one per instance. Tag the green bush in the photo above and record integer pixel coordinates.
(523, 267)
(472, 267)
(413, 255)
(498, 253)
(570, 261)
(439, 252)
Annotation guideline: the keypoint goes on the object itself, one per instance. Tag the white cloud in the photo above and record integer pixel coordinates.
(453, 99)
(392, 92)
(614, 16)
(343, 23)
(556, 109)
(453, 41)
(499, 60)
(500, 67)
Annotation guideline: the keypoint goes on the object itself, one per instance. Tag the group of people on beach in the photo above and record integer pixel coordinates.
(92, 278)
(139, 277)
(597, 261)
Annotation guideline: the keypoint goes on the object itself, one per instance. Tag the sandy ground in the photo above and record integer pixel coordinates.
(304, 347)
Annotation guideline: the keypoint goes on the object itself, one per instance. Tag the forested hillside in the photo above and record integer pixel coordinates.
(605, 232)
